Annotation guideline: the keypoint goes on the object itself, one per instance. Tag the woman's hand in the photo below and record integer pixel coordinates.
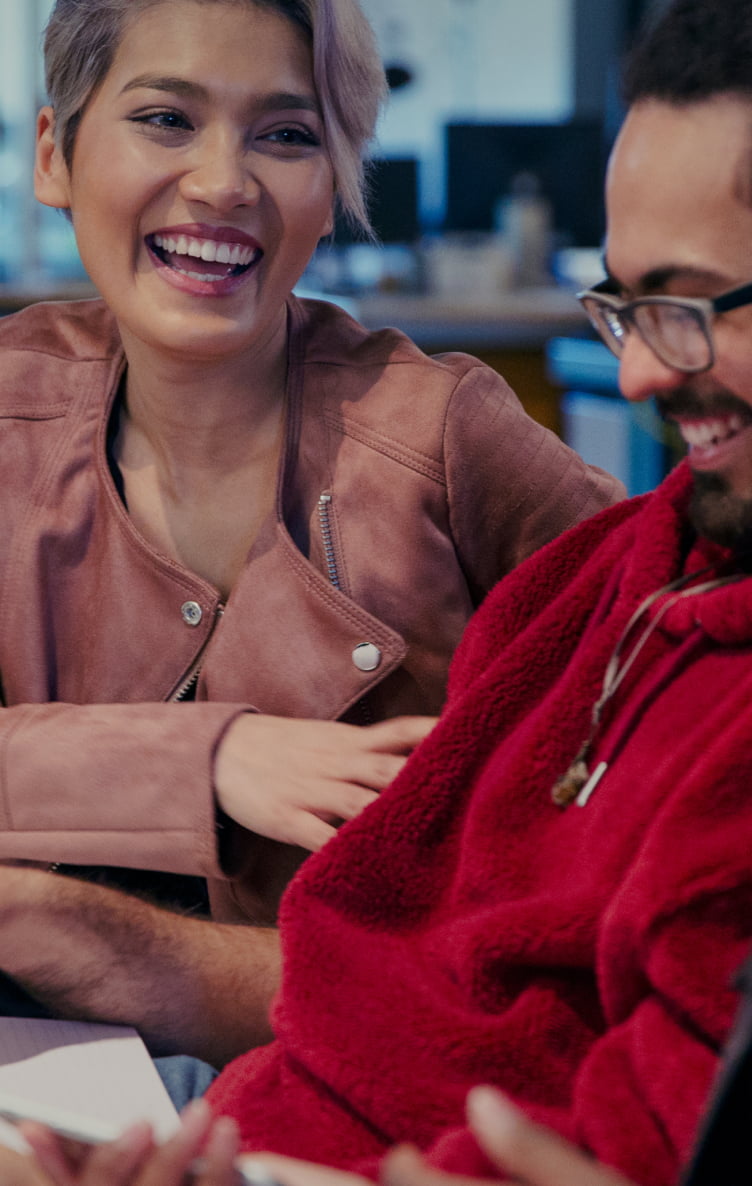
(16, 1169)
(295, 780)
(524, 1152)
(134, 1160)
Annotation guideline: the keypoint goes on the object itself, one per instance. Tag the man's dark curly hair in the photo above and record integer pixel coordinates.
(692, 50)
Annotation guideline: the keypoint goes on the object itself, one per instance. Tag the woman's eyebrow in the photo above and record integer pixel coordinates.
(274, 101)
(155, 82)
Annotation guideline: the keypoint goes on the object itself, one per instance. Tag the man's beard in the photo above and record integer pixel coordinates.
(720, 515)
(714, 510)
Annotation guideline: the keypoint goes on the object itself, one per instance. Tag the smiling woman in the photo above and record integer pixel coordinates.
(215, 492)
(82, 37)
(182, 124)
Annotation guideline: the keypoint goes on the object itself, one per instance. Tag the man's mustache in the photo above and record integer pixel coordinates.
(684, 401)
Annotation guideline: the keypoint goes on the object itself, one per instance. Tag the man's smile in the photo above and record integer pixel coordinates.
(704, 433)
(709, 423)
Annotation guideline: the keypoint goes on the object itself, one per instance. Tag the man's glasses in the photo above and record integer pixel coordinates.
(677, 329)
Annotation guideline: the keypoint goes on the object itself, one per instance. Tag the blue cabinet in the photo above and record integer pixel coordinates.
(628, 440)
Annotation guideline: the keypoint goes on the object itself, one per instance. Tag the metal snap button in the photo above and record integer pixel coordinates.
(192, 613)
(366, 656)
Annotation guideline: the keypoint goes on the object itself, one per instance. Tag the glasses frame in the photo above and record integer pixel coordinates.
(703, 308)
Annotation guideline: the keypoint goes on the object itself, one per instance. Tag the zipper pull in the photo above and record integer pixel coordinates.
(591, 784)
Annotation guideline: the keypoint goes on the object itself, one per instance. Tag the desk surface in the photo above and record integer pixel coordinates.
(518, 318)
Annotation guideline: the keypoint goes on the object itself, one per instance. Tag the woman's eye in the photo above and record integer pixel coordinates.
(170, 120)
(295, 137)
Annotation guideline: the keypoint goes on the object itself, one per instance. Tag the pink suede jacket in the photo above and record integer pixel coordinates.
(408, 486)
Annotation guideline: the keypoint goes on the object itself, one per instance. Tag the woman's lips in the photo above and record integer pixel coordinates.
(214, 260)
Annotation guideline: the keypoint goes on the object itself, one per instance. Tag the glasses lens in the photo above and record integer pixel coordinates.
(677, 333)
(607, 322)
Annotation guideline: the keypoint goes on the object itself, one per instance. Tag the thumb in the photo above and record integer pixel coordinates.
(528, 1151)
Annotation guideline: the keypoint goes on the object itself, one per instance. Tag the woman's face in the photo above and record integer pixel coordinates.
(200, 183)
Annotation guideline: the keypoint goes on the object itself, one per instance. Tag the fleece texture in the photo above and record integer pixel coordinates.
(466, 929)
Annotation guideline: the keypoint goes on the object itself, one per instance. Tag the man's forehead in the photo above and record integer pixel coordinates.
(679, 194)
(689, 150)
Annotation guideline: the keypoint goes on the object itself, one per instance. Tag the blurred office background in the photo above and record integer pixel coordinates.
(486, 197)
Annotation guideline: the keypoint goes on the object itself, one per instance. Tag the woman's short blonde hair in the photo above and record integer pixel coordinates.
(82, 38)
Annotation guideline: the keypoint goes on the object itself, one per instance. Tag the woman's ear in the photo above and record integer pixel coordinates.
(51, 176)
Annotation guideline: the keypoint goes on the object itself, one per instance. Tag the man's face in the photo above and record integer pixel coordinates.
(679, 204)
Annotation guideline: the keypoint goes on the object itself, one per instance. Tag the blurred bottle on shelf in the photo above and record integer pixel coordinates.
(523, 217)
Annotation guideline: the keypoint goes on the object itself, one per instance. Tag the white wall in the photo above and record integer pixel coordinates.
(471, 59)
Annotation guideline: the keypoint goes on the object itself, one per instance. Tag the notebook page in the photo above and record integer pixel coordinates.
(99, 1071)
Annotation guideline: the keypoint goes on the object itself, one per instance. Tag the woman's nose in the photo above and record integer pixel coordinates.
(220, 176)
(641, 372)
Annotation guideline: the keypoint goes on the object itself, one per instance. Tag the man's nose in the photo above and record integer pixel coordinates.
(221, 175)
(641, 372)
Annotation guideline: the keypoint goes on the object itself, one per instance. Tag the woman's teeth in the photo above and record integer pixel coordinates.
(208, 250)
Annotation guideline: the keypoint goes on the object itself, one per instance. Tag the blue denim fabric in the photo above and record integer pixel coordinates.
(185, 1078)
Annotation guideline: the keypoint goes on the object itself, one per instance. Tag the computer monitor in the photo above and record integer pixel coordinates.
(569, 160)
(392, 202)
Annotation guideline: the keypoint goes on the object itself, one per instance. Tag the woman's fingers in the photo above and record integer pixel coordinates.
(18, 1169)
(202, 1153)
(170, 1163)
(400, 735)
(272, 1169)
(271, 772)
(529, 1152)
(524, 1153)
(404, 1166)
(70, 1163)
(218, 1157)
(307, 831)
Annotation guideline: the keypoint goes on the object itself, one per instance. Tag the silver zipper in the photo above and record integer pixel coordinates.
(190, 681)
(362, 708)
(325, 502)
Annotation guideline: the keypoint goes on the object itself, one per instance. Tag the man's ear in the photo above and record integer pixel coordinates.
(51, 176)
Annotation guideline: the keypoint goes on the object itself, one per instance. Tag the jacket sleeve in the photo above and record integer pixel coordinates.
(125, 784)
(513, 485)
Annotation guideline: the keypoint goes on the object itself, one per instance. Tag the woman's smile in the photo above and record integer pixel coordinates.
(211, 262)
(200, 183)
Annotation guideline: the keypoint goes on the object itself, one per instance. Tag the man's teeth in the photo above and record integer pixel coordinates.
(700, 435)
(208, 250)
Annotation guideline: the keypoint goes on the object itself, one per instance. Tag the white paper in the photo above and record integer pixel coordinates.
(99, 1071)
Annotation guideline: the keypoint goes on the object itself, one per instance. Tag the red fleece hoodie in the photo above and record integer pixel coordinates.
(465, 929)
